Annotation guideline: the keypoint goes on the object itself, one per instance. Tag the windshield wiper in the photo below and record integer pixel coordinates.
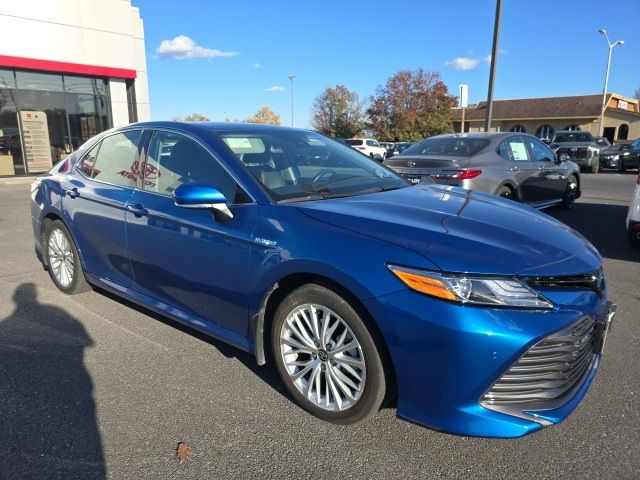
(326, 195)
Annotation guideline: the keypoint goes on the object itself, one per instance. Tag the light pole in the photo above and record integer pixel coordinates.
(603, 32)
(494, 60)
(292, 78)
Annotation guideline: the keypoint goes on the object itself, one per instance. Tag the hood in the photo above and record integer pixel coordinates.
(462, 231)
(572, 144)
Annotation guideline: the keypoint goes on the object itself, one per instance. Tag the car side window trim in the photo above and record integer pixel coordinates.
(207, 149)
(138, 157)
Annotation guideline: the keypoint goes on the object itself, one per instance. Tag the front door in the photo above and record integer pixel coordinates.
(521, 167)
(553, 176)
(189, 258)
(95, 202)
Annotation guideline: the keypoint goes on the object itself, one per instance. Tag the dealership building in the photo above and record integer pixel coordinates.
(543, 116)
(69, 69)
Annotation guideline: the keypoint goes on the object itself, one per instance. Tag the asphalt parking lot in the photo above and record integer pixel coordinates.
(91, 387)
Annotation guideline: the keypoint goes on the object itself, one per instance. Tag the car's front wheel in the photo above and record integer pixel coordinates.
(64, 266)
(570, 193)
(633, 236)
(327, 356)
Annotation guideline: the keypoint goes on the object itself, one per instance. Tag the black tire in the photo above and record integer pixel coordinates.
(570, 194)
(375, 383)
(506, 192)
(632, 237)
(621, 167)
(78, 283)
(371, 156)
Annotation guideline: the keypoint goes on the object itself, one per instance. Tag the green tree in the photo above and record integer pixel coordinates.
(265, 115)
(338, 112)
(192, 117)
(412, 105)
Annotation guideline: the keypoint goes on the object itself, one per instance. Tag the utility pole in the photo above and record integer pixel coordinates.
(494, 60)
(603, 32)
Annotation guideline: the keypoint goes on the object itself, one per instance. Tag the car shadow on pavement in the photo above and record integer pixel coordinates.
(48, 425)
(267, 373)
(603, 225)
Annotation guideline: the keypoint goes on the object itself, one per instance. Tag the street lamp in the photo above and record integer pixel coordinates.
(292, 78)
(603, 32)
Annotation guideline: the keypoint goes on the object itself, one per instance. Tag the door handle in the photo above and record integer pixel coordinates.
(138, 209)
(514, 169)
(72, 192)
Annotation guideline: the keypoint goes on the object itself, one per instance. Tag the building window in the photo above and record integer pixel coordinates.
(623, 132)
(545, 132)
(573, 127)
(131, 101)
(518, 129)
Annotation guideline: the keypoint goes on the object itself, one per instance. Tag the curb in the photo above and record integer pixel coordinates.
(17, 180)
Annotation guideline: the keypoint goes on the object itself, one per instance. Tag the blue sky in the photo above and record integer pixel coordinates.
(237, 51)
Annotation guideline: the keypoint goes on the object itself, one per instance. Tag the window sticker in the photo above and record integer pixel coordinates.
(519, 151)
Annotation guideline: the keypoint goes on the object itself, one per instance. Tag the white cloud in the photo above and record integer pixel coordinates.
(183, 47)
(256, 65)
(463, 63)
(275, 88)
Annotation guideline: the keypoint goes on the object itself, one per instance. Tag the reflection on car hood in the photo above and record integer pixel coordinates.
(463, 231)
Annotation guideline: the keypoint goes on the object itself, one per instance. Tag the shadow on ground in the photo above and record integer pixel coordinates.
(603, 225)
(48, 426)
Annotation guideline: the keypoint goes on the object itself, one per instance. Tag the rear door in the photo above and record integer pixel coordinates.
(95, 204)
(521, 167)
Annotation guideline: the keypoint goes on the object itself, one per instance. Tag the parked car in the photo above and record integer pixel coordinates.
(580, 147)
(511, 165)
(398, 148)
(621, 156)
(603, 143)
(369, 147)
(633, 217)
(299, 250)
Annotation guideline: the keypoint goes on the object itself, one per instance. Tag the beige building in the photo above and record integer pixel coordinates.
(543, 116)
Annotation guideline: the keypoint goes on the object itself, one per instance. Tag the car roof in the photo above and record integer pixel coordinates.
(213, 126)
(487, 135)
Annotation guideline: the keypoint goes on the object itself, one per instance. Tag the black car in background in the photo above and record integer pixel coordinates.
(621, 156)
(398, 148)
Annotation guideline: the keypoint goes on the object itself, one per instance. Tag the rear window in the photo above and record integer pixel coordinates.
(354, 142)
(449, 146)
(572, 137)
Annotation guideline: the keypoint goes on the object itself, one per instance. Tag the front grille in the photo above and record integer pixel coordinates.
(578, 153)
(594, 281)
(548, 370)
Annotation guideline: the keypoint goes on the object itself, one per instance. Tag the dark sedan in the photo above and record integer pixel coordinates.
(511, 165)
(621, 156)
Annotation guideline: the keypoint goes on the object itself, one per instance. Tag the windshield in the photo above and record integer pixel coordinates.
(450, 146)
(300, 165)
(567, 137)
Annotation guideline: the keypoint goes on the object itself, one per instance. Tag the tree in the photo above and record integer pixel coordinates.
(412, 105)
(338, 112)
(192, 117)
(265, 115)
(636, 94)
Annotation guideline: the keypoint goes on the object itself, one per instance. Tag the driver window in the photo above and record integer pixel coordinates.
(539, 150)
(174, 159)
(514, 150)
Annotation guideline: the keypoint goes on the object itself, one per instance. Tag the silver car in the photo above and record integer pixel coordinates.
(511, 165)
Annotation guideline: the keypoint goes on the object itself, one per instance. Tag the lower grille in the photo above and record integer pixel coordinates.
(574, 152)
(548, 370)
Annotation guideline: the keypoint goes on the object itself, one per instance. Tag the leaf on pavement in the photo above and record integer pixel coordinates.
(183, 451)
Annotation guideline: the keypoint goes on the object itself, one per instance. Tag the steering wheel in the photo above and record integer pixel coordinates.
(324, 173)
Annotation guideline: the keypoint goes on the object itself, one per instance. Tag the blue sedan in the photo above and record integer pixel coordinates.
(474, 314)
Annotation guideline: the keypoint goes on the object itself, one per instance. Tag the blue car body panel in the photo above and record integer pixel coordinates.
(215, 276)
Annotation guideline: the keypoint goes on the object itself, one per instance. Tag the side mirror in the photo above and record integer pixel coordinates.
(201, 195)
(563, 157)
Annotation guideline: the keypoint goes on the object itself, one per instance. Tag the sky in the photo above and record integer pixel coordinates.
(230, 58)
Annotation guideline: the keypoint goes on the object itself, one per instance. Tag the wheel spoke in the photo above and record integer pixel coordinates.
(348, 361)
(344, 348)
(300, 348)
(342, 381)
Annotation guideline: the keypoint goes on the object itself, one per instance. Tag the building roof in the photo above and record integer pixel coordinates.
(579, 106)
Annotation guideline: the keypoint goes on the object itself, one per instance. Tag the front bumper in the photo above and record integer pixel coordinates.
(447, 356)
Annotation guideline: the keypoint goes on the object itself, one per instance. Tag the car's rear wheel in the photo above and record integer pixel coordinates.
(621, 167)
(570, 193)
(64, 266)
(633, 236)
(506, 192)
(327, 357)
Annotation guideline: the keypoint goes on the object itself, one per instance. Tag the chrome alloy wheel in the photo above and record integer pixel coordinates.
(61, 257)
(323, 357)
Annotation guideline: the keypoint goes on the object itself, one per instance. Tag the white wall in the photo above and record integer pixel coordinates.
(106, 33)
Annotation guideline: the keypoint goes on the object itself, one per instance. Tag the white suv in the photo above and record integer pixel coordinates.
(633, 217)
(368, 146)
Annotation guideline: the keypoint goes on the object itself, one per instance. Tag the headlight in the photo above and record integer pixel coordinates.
(616, 157)
(466, 289)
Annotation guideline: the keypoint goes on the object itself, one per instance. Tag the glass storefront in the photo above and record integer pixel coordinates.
(49, 116)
